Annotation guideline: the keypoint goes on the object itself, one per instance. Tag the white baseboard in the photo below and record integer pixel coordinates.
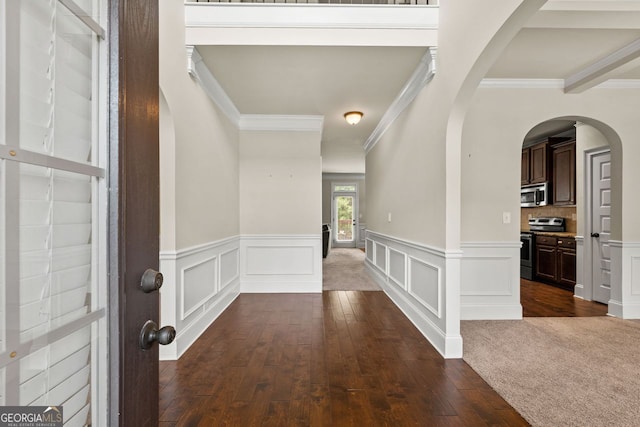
(199, 283)
(414, 278)
(192, 331)
(491, 312)
(281, 264)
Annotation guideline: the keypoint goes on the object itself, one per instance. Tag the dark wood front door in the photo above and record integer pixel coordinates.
(134, 207)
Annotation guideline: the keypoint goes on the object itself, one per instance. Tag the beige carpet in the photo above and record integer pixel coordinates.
(561, 371)
(343, 270)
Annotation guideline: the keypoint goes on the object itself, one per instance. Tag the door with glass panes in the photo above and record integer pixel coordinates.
(345, 215)
(64, 328)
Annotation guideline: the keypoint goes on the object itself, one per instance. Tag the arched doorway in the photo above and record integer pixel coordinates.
(571, 165)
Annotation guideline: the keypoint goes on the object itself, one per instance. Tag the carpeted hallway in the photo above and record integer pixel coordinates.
(343, 270)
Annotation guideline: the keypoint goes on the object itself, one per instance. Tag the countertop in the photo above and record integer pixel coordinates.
(553, 233)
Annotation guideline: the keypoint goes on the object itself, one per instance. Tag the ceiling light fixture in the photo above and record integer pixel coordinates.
(353, 117)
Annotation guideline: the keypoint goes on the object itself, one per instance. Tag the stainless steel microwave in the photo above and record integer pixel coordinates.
(534, 195)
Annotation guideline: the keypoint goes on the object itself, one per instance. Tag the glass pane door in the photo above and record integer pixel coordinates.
(344, 221)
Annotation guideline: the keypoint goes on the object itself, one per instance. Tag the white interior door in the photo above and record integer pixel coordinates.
(601, 225)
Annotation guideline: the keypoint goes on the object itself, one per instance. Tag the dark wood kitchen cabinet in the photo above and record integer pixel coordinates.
(564, 173)
(535, 164)
(546, 258)
(539, 164)
(524, 170)
(556, 260)
(566, 262)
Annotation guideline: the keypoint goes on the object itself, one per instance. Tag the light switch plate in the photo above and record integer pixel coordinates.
(506, 217)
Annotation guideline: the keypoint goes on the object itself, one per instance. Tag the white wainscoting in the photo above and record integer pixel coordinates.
(199, 284)
(582, 289)
(625, 279)
(281, 263)
(414, 277)
(490, 281)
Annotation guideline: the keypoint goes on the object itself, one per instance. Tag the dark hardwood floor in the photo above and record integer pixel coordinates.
(542, 300)
(340, 358)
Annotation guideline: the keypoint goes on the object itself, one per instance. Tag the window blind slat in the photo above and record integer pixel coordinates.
(76, 408)
(69, 366)
(71, 212)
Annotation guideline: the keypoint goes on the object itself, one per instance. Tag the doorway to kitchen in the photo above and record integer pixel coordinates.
(344, 208)
(557, 221)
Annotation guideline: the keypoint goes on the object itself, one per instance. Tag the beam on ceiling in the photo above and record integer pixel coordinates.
(616, 63)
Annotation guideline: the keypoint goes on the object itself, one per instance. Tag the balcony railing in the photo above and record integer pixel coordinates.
(349, 2)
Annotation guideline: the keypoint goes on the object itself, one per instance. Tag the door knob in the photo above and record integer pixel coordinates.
(596, 235)
(150, 333)
(151, 280)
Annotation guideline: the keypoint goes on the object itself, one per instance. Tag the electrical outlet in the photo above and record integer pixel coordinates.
(506, 217)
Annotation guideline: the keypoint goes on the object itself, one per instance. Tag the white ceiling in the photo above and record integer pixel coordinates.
(563, 39)
(317, 80)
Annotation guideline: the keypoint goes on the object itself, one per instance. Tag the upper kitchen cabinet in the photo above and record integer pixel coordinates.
(564, 173)
(535, 164)
(539, 164)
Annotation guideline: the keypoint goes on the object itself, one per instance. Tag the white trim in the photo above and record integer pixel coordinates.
(287, 123)
(420, 246)
(187, 335)
(619, 84)
(190, 322)
(437, 310)
(405, 270)
(591, 5)
(625, 279)
(437, 320)
(449, 346)
(201, 73)
(423, 73)
(321, 16)
(618, 61)
(522, 83)
(184, 312)
(281, 263)
(490, 281)
(553, 84)
(192, 250)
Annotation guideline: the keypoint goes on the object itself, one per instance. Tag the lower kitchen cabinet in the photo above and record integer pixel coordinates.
(556, 260)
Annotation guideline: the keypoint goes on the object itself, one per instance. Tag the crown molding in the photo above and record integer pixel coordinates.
(199, 71)
(554, 84)
(619, 84)
(285, 123)
(423, 73)
(522, 83)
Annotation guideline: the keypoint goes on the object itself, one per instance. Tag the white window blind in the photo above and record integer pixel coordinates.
(49, 307)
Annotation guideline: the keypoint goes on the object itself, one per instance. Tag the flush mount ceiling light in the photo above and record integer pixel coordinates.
(353, 117)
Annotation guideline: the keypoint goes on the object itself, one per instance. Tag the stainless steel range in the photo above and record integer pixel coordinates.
(547, 224)
(528, 241)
